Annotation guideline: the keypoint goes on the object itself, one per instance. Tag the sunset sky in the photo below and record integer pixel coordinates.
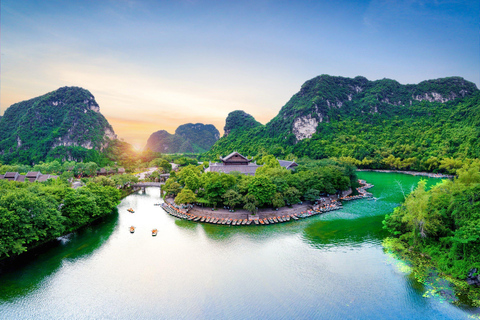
(154, 65)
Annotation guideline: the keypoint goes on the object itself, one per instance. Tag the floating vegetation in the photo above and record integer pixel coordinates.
(437, 286)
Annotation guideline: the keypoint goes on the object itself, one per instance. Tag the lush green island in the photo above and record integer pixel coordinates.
(272, 185)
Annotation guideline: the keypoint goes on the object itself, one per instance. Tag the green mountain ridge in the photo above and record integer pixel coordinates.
(373, 120)
(189, 137)
(239, 121)
(65, 124)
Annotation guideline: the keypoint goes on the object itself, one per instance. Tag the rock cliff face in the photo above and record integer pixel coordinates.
(324, 97)
(54, 125)
(192, 138)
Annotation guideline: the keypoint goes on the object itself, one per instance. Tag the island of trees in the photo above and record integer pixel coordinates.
(272, 185)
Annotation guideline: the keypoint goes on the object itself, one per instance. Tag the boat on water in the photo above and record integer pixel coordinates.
(154, 232)
(130, 210)
(132, 229)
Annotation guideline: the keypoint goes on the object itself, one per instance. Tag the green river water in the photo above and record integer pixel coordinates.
(326, 267)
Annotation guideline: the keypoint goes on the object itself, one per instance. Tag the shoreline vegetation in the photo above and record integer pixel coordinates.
(440, 229)
(272, 186)
(32, 214)
(268, 215)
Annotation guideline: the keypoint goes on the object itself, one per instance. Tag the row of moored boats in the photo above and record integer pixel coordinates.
(237, 222)
(334, 205)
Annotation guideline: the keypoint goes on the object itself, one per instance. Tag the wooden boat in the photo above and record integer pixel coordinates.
(132, 229)
(130, 210)
(154, 232)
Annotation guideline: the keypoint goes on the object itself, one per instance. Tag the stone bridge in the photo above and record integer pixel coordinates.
(147, 184)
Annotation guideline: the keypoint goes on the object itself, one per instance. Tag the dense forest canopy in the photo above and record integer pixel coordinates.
(377, 124)
(34, 213)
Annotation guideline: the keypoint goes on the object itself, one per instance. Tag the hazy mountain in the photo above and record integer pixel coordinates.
(192, 138)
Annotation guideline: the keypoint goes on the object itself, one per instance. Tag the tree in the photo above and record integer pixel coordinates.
(27, 219)
(185, 196)
(161, 164)
(79, 207)
(269, 162)
(104, 181)
(251, 203)
(232, 198)
(171, 187)
(292, 195)
(262, 189)
(311, 195)
(278, 201)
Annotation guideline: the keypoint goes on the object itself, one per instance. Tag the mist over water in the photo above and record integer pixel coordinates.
(326, 267)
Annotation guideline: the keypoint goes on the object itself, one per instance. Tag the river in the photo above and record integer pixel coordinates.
(326, 267)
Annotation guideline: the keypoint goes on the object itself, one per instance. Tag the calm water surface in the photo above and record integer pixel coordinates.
(326, 267)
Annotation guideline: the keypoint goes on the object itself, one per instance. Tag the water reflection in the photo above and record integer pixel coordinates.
(23, 274)
(203, 271)
(345, 233)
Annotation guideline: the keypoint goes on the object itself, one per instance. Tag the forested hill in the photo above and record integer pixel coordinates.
(382, 123)
(65, 124)
(239, 121)
(195, 138)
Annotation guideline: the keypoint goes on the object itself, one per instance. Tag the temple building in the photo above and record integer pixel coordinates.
(235, 162)
(32, 176)
(290, 165)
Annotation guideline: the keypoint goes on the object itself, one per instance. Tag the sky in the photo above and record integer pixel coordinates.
(154, 65)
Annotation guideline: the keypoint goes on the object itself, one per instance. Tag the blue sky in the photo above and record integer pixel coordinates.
(157, 64)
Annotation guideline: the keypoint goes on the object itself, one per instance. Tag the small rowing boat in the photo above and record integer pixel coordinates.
(132, 229)
(154, 232)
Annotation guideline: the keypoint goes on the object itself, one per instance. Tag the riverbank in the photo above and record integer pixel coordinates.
(412, 173)
(423, 267)
(264, 216)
